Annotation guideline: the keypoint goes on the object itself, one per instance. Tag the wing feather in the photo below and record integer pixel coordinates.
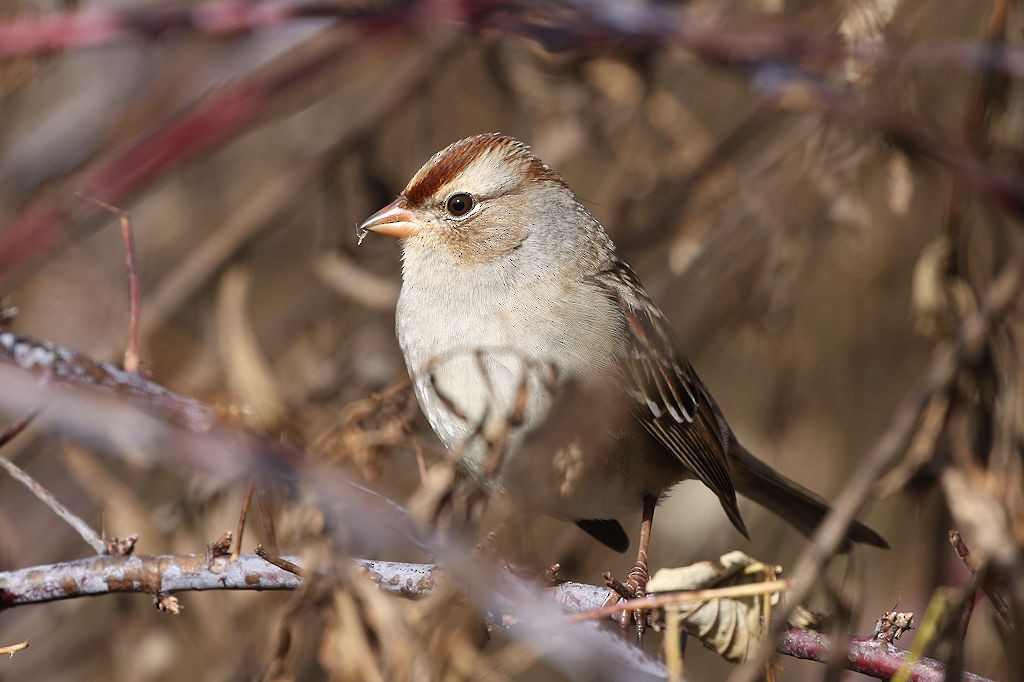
(670, 400)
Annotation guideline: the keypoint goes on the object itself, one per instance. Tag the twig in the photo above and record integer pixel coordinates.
(13, 648)
(20, 424)
(90, 536)
(279, 561)
(243, 513)
(131, 352)
(674, 598)
(994, 594)
(926, 633)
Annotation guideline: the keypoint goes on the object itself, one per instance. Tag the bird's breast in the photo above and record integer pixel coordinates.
(525, 392)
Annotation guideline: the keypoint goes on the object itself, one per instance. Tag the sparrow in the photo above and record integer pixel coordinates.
(544, 366)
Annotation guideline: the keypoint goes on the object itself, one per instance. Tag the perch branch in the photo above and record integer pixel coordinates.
(198, 572)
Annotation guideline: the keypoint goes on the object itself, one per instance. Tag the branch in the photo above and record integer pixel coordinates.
(194, 130)
(119, 411)
(149, 574)
(198, 572)
(58, 32)
(52, 363)
(864, 655)
(13, 648)
(66, 371)
(90, 536)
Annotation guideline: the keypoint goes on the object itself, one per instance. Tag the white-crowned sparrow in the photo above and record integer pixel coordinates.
(542, 363)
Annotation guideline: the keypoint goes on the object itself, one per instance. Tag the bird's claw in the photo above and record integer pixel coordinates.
(635, 587)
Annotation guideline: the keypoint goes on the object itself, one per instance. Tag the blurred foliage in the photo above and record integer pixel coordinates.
(781, 242)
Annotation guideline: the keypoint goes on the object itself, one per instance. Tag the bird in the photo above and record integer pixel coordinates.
(543, 365)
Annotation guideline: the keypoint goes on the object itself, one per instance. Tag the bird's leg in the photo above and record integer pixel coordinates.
(638, 576)
(636, 579)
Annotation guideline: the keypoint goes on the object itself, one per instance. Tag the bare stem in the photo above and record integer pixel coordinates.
(88, 534)
(131, 352)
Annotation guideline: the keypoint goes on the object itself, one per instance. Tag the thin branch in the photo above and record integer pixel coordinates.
(674, 598)
(279, 561)
(19, 425)
(131, 352)
(52, 363)
(243, 514)
(13, 648)
(90, 536)
(993, 592)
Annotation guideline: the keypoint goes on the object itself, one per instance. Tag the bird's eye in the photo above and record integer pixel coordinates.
(460, 204)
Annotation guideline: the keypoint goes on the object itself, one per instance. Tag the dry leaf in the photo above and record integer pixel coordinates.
(731, 627)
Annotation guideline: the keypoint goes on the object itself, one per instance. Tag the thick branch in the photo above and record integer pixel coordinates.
(151, 574)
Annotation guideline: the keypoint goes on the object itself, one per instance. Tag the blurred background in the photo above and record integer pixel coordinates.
(780, 239)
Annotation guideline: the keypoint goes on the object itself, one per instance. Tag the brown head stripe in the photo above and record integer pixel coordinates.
(451, 161)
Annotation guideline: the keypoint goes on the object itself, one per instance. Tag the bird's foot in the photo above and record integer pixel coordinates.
(635, 587)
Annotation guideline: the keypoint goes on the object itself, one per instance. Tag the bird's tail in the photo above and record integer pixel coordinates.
(800, 507)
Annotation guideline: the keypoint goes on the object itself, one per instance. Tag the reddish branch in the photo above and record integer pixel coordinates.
(103, 26)
(193, 131)
(864, 655)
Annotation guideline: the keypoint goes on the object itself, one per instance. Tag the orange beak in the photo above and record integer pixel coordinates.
(394, 220)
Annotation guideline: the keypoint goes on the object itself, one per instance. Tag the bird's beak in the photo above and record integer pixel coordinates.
(394, 220)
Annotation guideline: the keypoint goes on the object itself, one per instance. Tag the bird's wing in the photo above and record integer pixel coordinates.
(670, 400)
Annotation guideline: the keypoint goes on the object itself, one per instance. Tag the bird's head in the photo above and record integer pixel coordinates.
(480, 200)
